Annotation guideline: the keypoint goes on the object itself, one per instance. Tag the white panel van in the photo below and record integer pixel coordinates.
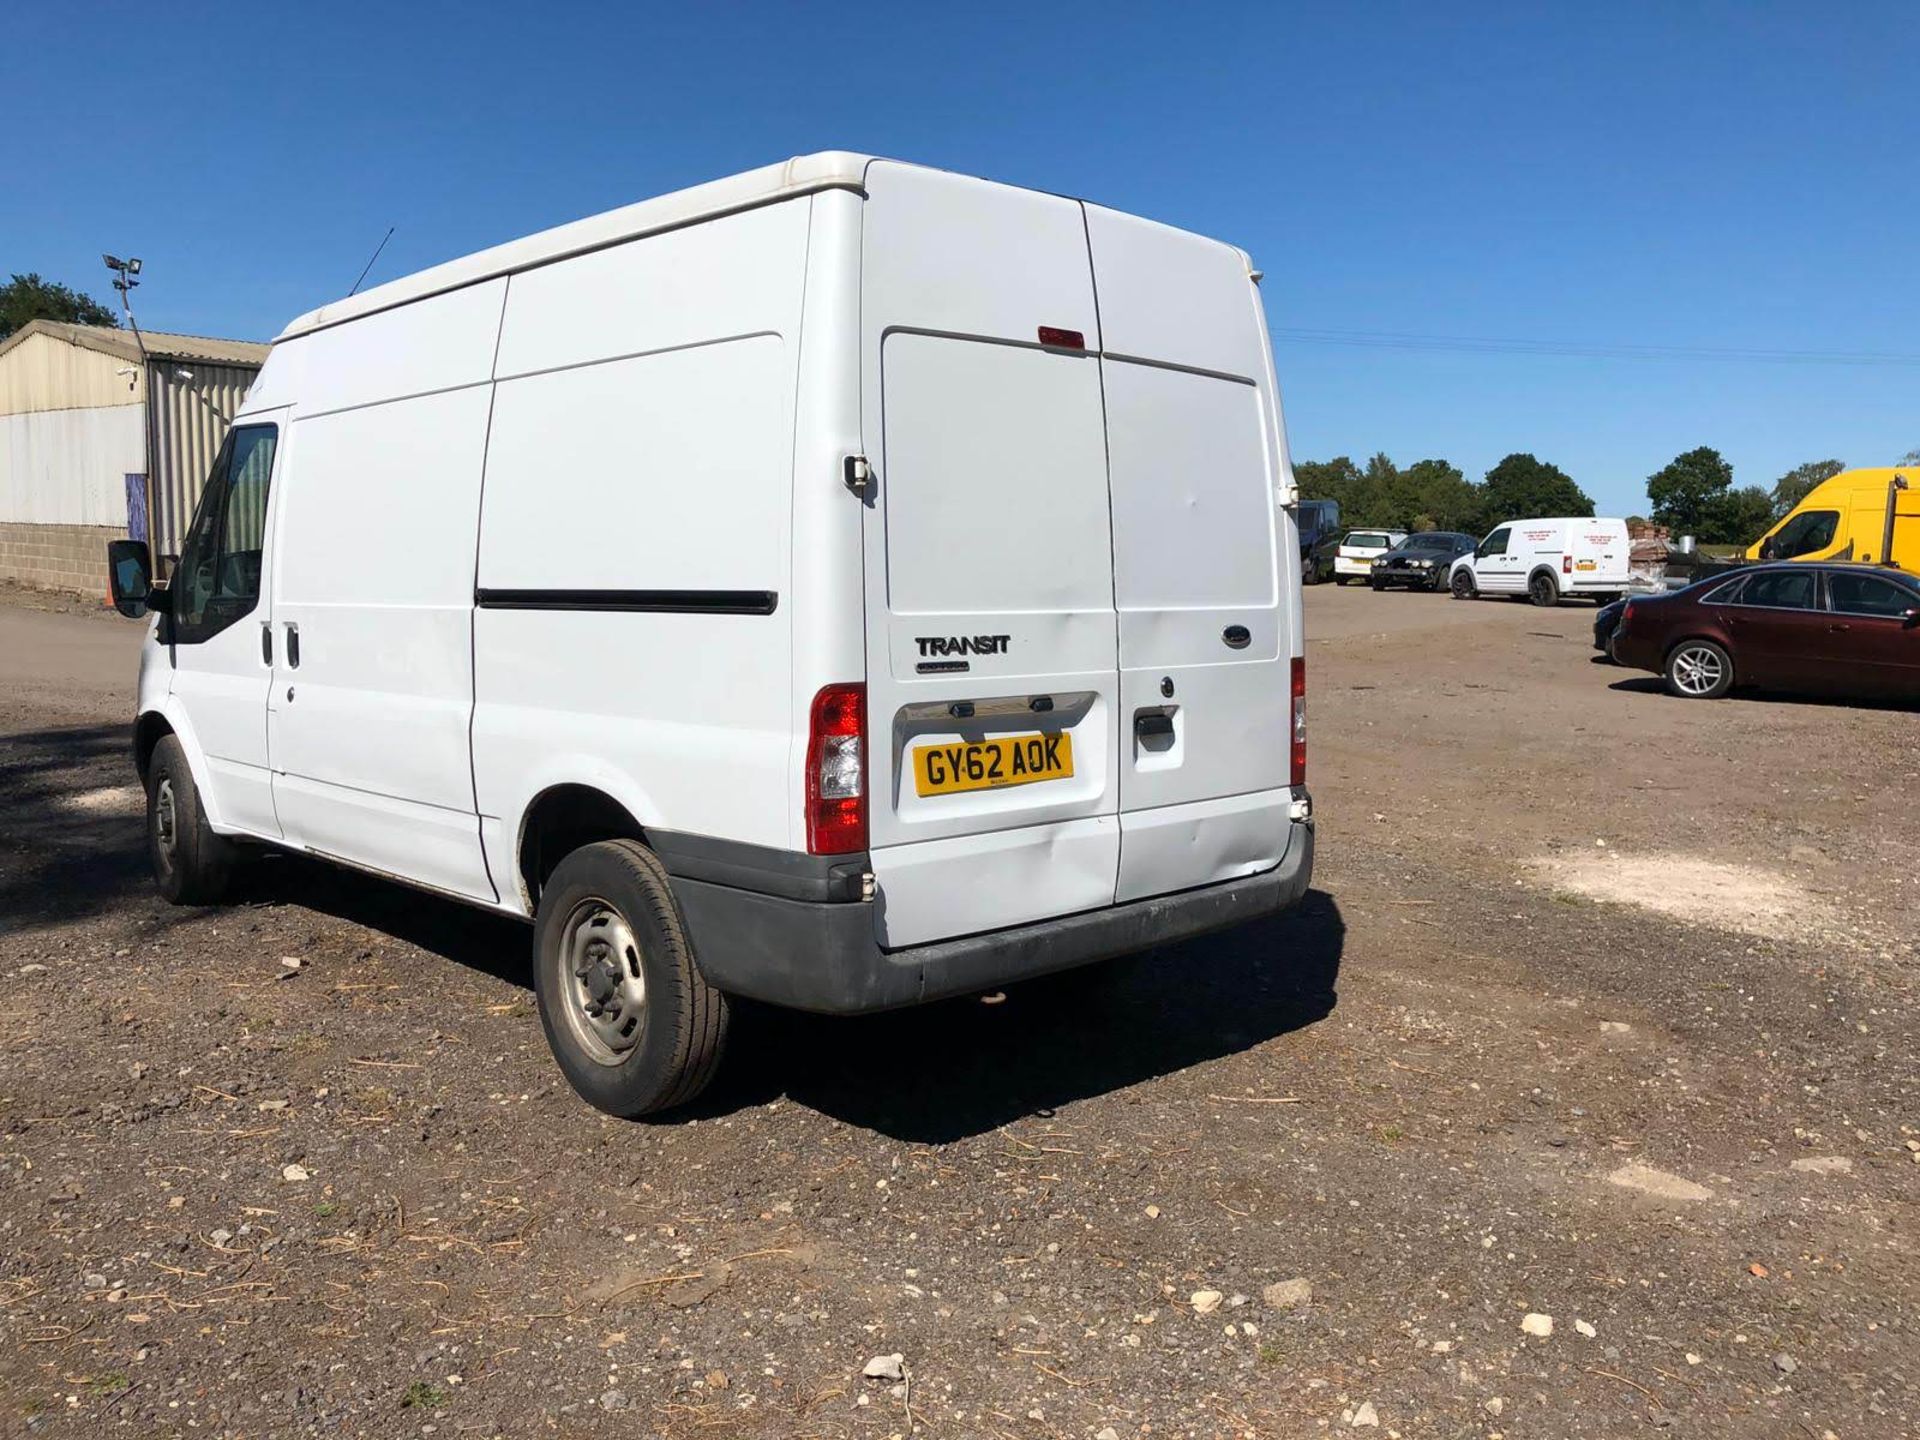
(844, 585)
(1547, 559)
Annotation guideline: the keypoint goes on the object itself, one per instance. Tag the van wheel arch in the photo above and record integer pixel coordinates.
(148, 731)
(560, 820)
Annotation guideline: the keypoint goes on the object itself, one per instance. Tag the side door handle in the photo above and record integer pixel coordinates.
(266, 642)
(1838, 629)
(293, 645)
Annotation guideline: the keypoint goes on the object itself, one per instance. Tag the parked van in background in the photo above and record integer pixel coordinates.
(1319, 524)
(1868, 516)
(1546, 560)
(846, 585)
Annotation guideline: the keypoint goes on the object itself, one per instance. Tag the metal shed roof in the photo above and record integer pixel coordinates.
(160, 344)
(827, 170)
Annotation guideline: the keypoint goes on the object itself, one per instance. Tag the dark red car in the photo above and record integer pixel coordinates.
(1837, 629)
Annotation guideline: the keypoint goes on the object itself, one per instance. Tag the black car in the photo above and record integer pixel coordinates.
(1421, 561)
(1605, 621)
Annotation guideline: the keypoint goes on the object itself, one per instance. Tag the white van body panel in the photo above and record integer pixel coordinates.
(1197, 477)
(574, 512)
(648, 453)
(374, 574)
(991, 519)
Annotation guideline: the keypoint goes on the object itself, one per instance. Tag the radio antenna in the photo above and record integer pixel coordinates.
(373, 257)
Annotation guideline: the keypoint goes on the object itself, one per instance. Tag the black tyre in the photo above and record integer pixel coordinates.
(1698, 670)
(191, 864)
(1543, 590)
(1462, 585)
(1438, 582)
(1376, 582)
(635, 1026)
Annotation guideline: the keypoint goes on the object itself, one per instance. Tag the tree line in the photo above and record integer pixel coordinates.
(1435, 495)
(1693, 494)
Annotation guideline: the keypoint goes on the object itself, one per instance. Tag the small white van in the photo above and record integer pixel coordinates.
(1547, 559)
(845, 585)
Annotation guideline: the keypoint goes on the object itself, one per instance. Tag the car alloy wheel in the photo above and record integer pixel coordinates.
(1698, 670)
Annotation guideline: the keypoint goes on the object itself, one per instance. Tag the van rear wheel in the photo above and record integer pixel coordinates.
(632, 1022)
(1543, 590)
(191, 864)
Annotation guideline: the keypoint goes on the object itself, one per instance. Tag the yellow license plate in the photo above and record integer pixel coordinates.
(991, 764)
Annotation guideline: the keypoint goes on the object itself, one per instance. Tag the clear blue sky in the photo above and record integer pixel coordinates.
(1701, 176)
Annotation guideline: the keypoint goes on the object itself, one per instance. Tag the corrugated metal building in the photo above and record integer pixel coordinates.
(98, 441)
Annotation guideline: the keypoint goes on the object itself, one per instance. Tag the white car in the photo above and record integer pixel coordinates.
(1357, 552)
(1546, 560)
(797, 587)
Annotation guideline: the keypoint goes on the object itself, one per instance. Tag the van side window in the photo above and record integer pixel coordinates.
(1496, 543)
(1780, 590)
(218, 578)
(1803, 534)
(1869, 595)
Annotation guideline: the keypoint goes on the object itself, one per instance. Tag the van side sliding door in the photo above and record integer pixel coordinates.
(374, 553)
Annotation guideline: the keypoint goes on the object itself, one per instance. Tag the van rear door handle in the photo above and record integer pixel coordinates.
(1152, 722)
(293, 645)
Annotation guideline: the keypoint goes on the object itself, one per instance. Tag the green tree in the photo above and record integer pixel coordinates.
(1337, 480)
(1791, 488)
(1521, 486)
(1439, 497)
(1686, 490)
(1739, 517)
(1912, 457)
(28, 297)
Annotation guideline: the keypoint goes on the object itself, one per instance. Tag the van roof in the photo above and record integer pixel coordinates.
(802, 175)
(1874, 477)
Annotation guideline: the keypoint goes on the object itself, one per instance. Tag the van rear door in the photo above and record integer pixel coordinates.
(1208, 628)
(991, 673)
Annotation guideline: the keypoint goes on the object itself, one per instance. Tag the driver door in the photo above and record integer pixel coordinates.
(1495, 568)
(219, 632)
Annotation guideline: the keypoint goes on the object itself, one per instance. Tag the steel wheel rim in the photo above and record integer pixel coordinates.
(166, 820)
(602, 981)
(1697, 670)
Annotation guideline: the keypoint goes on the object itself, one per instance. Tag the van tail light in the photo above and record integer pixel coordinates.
(1299, 720)
(1566, 564)
(837, 771)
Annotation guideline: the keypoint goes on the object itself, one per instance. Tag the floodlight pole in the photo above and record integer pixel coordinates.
(124, 272)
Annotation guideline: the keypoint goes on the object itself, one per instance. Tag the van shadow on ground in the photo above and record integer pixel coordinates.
(942, 1072)
(71, 844)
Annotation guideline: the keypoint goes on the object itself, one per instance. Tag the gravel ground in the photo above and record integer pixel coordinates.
(1577, 1100)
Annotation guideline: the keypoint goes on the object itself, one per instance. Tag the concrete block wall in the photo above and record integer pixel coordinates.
(72, 558)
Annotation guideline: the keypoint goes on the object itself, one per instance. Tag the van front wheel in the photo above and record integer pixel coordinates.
(635, 1026)
(191, 864)
(1463, 586)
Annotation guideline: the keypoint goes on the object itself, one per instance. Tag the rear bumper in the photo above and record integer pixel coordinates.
(1343, 566)
(823, 957)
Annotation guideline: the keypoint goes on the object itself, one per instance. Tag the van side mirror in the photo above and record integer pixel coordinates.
(130, 579)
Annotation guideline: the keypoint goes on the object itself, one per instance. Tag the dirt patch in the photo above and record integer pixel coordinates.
(1742, 898)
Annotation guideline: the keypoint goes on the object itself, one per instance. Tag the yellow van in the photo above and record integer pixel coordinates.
(1869, 516)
